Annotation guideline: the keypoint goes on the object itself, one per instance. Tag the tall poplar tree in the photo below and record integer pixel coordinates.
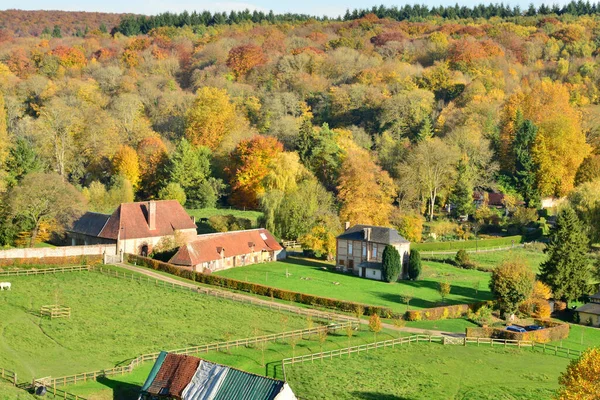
(525, 167)
(566, 269)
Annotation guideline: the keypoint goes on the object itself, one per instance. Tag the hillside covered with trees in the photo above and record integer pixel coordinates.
(384, 116)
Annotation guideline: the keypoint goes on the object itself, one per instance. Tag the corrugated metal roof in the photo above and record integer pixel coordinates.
(154, 371)
(240, 385)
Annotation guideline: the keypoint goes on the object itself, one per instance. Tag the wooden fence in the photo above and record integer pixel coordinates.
(45, 271)
(55, 311)
(391, 343)
(483, 250)
(223, 294)
(9, 376)
(123, 369)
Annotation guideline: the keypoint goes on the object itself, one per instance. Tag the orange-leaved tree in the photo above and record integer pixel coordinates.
(242, 59)
(365, 190)
(250, 164)
(152, 155)
(581, 380)
(211, 117)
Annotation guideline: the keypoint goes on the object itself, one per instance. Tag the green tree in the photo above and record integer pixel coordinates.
(321, 154)
(56, 33)
(426, 130)
(391, 263)
(566, 268)
(525, 167)
(22, 160)
(45, 198)
(462, 258)
(511, 284)
(444, 290)
(172, 192)
(414, 265)
(461, 196)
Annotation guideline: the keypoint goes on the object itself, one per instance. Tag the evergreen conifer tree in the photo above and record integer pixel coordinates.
(566, 268)
(391, 264)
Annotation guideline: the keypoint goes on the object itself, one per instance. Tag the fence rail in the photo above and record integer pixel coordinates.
(9, 376)
(545, 348)
(45, 271)
(482, 250)
(120, 370)
(223, 294)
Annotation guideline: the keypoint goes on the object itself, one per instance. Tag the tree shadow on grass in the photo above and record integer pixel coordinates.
(121, 390)
(377, 396)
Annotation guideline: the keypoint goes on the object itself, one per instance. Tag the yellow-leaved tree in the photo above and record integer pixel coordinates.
(581, 380)
(211, 117)
(126, 163)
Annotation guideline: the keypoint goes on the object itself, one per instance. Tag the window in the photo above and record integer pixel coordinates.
(341, 263)
(374, 273)
(364, 247)
(374, 251)
(350, 264)
(349, 247)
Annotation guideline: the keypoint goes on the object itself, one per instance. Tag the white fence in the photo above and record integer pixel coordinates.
(63, 251)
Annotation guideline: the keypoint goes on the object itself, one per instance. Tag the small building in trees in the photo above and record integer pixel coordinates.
(176, 376)
(360, 250)
(218, 251)
(589, 314)
(135, 228)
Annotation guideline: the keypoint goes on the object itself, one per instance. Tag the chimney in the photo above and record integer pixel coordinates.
(347, 225)
(152, 215)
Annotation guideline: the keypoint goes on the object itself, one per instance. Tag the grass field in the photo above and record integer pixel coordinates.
(353, 288)
(430, 371)
(124, 387)
(468, 244)
(489, 260)
(114, 320)
(209, 212)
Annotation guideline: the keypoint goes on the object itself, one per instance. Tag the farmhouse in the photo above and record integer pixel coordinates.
(590, 313)
(134, 227)
(218, 251)
(175, 376)
(360, 250)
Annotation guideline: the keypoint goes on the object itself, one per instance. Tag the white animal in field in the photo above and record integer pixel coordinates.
(5, 285)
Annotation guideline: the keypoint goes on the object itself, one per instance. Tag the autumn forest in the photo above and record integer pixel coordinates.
(384, 116)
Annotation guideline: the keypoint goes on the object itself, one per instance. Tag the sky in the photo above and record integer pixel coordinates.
(332, 8)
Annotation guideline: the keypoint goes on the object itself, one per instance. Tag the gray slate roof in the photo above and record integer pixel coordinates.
(590, 308)
(379, 234)
(90, 224)
(595, 296)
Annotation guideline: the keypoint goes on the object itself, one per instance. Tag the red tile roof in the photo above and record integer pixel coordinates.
(207, 247)
(131, 220)
(174, 375)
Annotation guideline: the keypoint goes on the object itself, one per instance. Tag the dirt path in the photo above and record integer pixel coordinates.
(252, 299)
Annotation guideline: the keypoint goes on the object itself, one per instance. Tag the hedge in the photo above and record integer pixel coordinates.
(552, 331)
(468, 244)
(446, 312)
(261, 290)
(51, 261)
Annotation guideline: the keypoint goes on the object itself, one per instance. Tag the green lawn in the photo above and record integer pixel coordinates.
(352, 288)
(430, 371)
(490, 260)
(468, 244)
(114, 320)
(123, 387)
(209, 212)
(457, 325)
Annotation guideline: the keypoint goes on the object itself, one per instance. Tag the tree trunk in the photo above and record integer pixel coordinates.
(34, 234)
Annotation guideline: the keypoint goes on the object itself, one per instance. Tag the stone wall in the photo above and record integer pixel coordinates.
(63, 251)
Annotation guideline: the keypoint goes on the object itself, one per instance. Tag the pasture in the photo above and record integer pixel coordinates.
(430, 372)
(489, 260)
(309, 276)
(113, 320)
(250, 359)
(210, 212)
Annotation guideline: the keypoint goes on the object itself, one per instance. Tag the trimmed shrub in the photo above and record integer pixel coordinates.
(552, 331)
(391, 263)
(414, 265)
(447, 312)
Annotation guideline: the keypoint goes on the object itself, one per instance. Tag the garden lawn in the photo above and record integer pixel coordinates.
(580, 338)
(210, 212)
(489, 260)
(311, 277)
(458, 325)
(431, 372)
(114, 320)
(124, 387)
